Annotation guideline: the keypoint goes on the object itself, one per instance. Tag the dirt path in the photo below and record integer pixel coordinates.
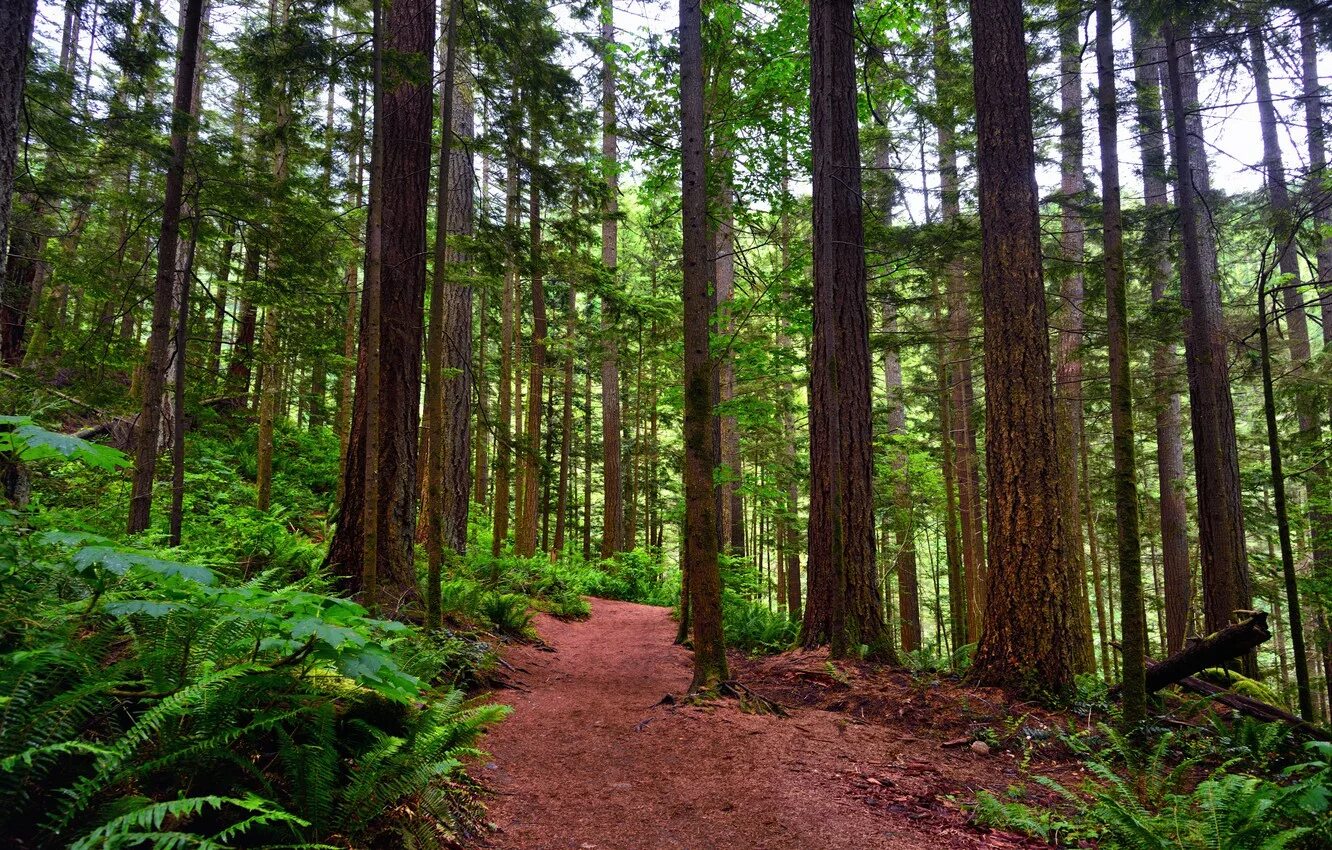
(586, 761)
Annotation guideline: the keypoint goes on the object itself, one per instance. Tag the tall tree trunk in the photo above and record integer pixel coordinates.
(587, 463)
(504, 413)
(788, 526)
(731, 513)
(566, 423)
(1279, 502)
(702, 575)
(405, 107)
(843, 607)
(1316, 132)
(433, 436)
(1030, 627)
(16, 24)
(268, 403)
(148, 427)
(1225, 564)
(908, 594)
(613, 503)
(1069, 317)
(268, 407)
(1148, 69)
(460, 368)
(1297, 334)
(1134, 629)
(525, 543)
(957, 591)
(966, 467)
(177, 514)
(1312, 95)
(346, 382)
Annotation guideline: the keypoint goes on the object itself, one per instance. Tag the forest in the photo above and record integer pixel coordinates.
(769, 424)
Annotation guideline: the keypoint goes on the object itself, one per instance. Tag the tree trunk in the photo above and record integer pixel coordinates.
(961, 392)
(1279, 503)
(268, 406)
(613, 502)
(1069, 317)
(155, 363)
(1149, 67)
(843, 607)
(1030, 626)
(16, 24)
(525, 542)
(908, 594)
(957, 595)
(566, 424)
(1134, 620)
(346, 382)
(1285, 229)
(731, 515)
(433, 435)
(1225, 566)
(405, 106)
(1313, 118)
(788, 525)
(504, 414)
(702, 576)
(460, 377)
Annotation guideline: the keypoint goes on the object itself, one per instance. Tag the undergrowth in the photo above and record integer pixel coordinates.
(1173, 793)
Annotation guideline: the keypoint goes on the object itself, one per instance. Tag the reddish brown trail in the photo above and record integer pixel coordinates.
(587, 761)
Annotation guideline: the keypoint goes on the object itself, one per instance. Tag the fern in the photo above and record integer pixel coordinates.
(145, 824)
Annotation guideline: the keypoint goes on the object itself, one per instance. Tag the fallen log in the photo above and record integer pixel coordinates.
(1212, 651)
(1253, 707)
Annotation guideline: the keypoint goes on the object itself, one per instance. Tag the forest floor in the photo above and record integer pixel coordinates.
(866, 758)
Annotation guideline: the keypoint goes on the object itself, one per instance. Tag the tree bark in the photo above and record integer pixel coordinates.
(504, 412)
(16, 24)
(1225, 567)
(1216, 650)
(433, 435)
(1030, 628)
(1312, 95)
(613, 502)
(1149, 68)
(702, 575)
(1279, 503)
(405, 106)
(1070, 315)
(966, 467)
(155, 363)
(566, 424)
(908, 593)
(525, 541)
(1134, 617)
(843, 607)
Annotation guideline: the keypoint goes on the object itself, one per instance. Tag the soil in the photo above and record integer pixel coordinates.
(593, 759)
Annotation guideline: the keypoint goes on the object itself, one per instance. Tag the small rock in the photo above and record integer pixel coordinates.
(980, 748)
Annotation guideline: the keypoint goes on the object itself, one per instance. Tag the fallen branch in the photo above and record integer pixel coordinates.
(1212, 651)
(53, 391)
(1252, 707)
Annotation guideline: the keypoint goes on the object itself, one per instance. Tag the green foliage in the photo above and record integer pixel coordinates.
(25, 441)
(155, 702)
(508, 613)
(1139, 801)
(754, 628)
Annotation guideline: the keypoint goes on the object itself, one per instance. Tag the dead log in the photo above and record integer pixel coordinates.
(1215, 650)
(1248, 705)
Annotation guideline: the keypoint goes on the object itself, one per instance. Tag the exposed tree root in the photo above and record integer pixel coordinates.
(750, 702)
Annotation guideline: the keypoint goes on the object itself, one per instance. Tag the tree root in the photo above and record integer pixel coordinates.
(750, 702)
